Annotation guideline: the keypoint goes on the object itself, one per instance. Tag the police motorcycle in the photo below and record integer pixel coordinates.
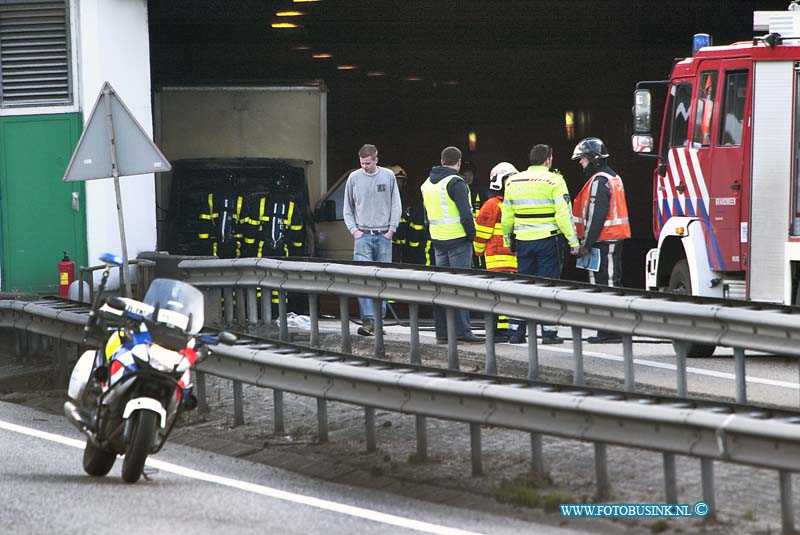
(127, 395)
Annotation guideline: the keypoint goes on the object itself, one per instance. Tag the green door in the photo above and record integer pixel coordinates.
(39, 216)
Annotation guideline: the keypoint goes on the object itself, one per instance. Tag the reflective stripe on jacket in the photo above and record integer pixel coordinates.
(489, 238)
(616, 225)
(443, 215)
(537, 206)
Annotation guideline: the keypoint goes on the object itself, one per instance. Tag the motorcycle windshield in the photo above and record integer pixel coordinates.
(179, 305)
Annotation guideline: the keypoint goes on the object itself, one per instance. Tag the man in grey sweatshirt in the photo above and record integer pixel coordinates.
(371, 212)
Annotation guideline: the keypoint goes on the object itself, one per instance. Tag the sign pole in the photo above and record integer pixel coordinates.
(123, 278)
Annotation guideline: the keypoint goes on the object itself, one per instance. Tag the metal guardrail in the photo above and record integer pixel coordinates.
(708, 433)
(712, 434)
(631, 313)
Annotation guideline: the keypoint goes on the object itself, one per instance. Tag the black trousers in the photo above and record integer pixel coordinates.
(610, 273)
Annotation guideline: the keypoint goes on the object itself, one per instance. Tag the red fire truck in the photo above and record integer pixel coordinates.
(726, 185)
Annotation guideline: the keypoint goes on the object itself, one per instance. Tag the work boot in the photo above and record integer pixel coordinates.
(471, 339)
(516, 339)
(551, 339)
(367, 328)
(500, 338)
(604, 337)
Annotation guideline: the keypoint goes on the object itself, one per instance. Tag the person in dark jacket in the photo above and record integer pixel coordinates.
(600, 214)
(452, 229)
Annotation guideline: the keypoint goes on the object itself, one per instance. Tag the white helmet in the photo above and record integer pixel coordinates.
(499, 174)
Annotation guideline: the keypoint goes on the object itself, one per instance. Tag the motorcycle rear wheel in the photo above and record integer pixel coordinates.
(140, 444)
(96, 461)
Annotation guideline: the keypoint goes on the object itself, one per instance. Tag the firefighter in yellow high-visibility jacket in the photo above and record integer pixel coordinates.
(536, 210)
(489, 235)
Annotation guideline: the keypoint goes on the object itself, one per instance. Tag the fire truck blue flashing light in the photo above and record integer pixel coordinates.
(699, 41)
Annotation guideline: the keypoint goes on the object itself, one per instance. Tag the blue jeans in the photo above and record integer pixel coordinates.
(372, 248)
(457, 255)
(540, 258)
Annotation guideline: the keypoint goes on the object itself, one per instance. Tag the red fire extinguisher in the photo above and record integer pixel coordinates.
(66, 274)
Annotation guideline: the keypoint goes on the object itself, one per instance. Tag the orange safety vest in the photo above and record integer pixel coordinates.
(616, 226)
(489, 238)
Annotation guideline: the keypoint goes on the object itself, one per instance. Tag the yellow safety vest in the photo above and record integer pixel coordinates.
(536, 206)
(443, 215)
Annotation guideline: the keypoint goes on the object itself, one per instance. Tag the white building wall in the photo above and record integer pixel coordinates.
(113, 46)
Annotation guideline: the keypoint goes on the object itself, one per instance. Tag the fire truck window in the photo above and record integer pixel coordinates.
(681, 102)
(704, 110)
(733, 108)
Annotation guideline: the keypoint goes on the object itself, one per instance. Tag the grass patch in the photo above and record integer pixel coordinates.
(517, 492)
(550, 502)
(376, 471)
(522, 491)
(659, 526)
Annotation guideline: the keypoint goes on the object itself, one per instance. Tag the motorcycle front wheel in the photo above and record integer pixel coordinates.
(96, 461)
(139, 446)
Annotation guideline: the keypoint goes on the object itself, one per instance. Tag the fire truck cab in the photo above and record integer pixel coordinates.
(726, 184)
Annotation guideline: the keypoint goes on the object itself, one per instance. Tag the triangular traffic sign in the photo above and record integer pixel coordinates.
(136, 154)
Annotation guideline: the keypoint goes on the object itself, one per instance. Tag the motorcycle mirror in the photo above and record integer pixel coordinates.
(117, 303)
(226, 338)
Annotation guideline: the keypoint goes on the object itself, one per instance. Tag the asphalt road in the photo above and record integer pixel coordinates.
(187, 490)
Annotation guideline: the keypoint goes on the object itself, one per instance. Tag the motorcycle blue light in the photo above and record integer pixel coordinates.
(699, 41)
(112, 259)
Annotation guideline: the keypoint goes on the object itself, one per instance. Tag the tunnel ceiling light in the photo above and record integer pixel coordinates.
(450, 82)
(299, 1)
(346, 68)
(289, 14)
(285, 25)
(376, 74)
(412, 78)
(322, 56)
(301, 47)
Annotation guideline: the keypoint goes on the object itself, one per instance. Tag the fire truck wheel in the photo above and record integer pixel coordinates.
(680, 282)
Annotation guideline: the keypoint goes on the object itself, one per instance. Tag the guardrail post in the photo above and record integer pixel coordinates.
(707, 476)
(537, 454)
(266, 306)
(577, 351)
(452, 348)
(787, 508)
(282, 318)
(322, 419)
(62, 366)
(369, 424)
(380, 350)
(533, 352)
(601, 470)
(670, 479)
(475, 447)
(491, 360)
(241, 306)
(252, 308)
(741, 386)
(238, 404)
(227, 296)
(212, 299)
(413, 317)
(344, 314)
(21, 337)
(313, 315)
(200, 388)
(277, 411)
(681, 351)
(627, 358)
(422, 437)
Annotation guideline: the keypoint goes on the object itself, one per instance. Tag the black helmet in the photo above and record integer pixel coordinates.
(591, 147)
